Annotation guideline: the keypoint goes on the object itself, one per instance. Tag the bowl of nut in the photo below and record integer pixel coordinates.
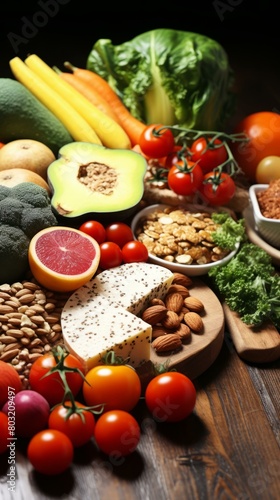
(265, 202)
(180, 238)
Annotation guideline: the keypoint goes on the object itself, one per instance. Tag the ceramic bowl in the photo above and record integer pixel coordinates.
(269, 229)
(189, 270)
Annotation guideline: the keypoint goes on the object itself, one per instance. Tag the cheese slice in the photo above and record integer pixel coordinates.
(101, 316)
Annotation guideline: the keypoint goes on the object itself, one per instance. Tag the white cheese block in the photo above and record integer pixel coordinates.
(101, 316)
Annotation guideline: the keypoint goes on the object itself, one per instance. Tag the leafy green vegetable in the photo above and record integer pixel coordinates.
(250, 285)
(230, 231)
(169, 76)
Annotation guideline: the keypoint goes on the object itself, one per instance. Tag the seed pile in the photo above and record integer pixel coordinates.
(29, 324)
(269, 200)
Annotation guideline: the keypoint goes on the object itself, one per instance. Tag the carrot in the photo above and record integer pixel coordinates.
(132, 126)
(89, 92)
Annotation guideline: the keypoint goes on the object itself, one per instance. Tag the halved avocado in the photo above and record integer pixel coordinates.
(91, 181)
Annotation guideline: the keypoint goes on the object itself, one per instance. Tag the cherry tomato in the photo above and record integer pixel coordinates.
(79, 426)
(155, 142)
(4, 432)
(263, 130)
(110, 255)
(117, 433)
(210, 154)
(185, 182)
(170, 397)
(94, 229)
(50, 452)
(119, 233)
(218, 188)
(118, 387)
(135, 251)
(268, 170)
(175, 156)
(51, 386)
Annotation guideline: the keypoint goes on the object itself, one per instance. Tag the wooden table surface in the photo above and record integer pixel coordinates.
(229, 447)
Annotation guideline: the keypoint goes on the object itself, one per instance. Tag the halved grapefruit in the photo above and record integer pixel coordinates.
(62, 258)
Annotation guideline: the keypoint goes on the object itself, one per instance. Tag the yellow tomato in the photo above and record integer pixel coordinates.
(268, 169)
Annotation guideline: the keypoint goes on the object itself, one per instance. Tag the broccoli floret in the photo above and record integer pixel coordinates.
(11, 211)
(32, 194)
(24, 210)
(33, 221)
(13, 253)
(4, 192)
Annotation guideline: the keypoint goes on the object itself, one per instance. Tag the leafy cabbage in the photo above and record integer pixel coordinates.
(170, 77)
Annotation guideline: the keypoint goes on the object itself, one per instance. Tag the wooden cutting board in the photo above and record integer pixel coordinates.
(256, 345)
(203, 348)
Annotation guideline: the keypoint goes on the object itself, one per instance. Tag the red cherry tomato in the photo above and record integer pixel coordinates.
(94, 229)
(135, 251)
(156, 141)
(209, 154)
(175, 156)
(4, 432)
(118, 387)
(50, 452)
(117, 433)
(110, 255)
(170, 397)
(79, 427)
(263, 131)
(119, 233)
(50, 386)
(183, 181)
(218, 188)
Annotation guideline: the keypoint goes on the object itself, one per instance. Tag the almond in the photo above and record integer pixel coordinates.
(182, 279)
(184, 332)
(169, 342)
(174, 302)
(194, 321)
(154, 314)
(171, 320)
(179, 289)
(158, 331)
(194, 304)
(156, 302)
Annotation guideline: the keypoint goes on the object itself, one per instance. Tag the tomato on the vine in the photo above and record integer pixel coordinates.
(78, 426)
(115, 386)
(110, 255)
(51, 386)
(209, 153)
(117, 433)
(218, 188)
(119, 233)
(183, 180)
(170, 397)
(135, 251)
(263, 130)
(175, 156)
(50, 452)
(94, 229)
(156, 141)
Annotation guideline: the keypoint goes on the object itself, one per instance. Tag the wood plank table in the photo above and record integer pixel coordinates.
(227, 448)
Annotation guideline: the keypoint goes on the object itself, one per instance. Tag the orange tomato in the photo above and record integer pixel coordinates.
(263, 131)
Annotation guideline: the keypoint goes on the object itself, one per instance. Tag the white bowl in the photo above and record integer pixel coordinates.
(269, 229)
(191, 269)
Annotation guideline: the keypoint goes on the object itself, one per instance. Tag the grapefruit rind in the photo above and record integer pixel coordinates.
(54, 280)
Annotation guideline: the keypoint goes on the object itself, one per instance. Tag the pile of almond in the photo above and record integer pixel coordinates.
(175, 318)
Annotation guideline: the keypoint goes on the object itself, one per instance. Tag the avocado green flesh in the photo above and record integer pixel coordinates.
(120, 171)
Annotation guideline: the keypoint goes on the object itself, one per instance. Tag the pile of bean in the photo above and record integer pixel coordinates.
(29, 324)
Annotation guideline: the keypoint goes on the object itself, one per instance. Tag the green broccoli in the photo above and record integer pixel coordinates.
(24, 210)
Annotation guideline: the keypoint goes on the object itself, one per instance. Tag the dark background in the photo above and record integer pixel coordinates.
(249, 32)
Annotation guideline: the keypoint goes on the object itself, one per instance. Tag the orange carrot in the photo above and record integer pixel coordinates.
(132, 126)
(89, 92)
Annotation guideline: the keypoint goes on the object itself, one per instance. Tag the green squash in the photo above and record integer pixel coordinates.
(90, 181)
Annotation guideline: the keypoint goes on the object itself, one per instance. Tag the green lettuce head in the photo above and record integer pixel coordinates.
(170, 77)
